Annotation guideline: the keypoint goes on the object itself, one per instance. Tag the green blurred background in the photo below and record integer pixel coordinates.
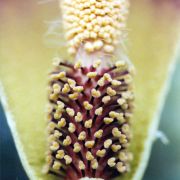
(164, 162)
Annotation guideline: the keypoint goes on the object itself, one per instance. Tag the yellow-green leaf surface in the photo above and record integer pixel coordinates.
(25, 62)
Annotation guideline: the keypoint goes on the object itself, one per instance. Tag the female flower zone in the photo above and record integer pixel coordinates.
(91, 99)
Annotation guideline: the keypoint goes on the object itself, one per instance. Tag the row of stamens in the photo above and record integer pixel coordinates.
(60, 128)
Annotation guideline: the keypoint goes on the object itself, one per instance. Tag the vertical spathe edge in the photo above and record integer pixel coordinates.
(144, 158)
(11, 123)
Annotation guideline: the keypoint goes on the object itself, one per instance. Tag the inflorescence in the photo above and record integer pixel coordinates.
(94, 25)
(89, 116)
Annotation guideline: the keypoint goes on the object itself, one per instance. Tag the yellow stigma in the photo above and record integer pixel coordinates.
(94, 25)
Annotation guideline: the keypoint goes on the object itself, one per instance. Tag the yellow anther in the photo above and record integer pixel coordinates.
(89, 156)
(71, 128)
(51, 138)
(67, 159)
(99, 111)
(62, 123)
(66, 88)
(82, 136)
(60, 105)
(128, 79)
(91, 74)
(77, 65)
(98, 134)
(51, 126)
(49, 159)
(116, 132)
(101, 82)
(106, 99)
(123, 139)
(98, 44)
(111, 92)
(121, 101)
(89, 144)
(124, 106)
(57, 134)
(95, 93)
(88, 123)
(53, 96)
(71, 82)
(54, 146)
(49, 108)
(74, 96)
(56, 88)
(113, 114)
(108, 48)
(115, 147)
(77, 147)
(125, 128)
(81, 165)
(78, 88)
(107, 77)
(127, 95)
(120, 167)
(87, 105)
(111, 162)
(94, 164)
(62, 75)
(128, 115)
(97, 63)
(60, 154)
(120, 117)
(93, 35)
(67, 141)
(56, 165)
(49, 117)
(120, 64)
(70, 112)
(57, 115)
(89, 46)
(78, 117)
(122, 156)
(129, 156)
(107, 143)
(108, 120)
(101, 153)
(116, 83)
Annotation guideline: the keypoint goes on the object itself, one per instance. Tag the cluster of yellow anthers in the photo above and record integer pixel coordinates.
(94, 24)
(88, 119)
